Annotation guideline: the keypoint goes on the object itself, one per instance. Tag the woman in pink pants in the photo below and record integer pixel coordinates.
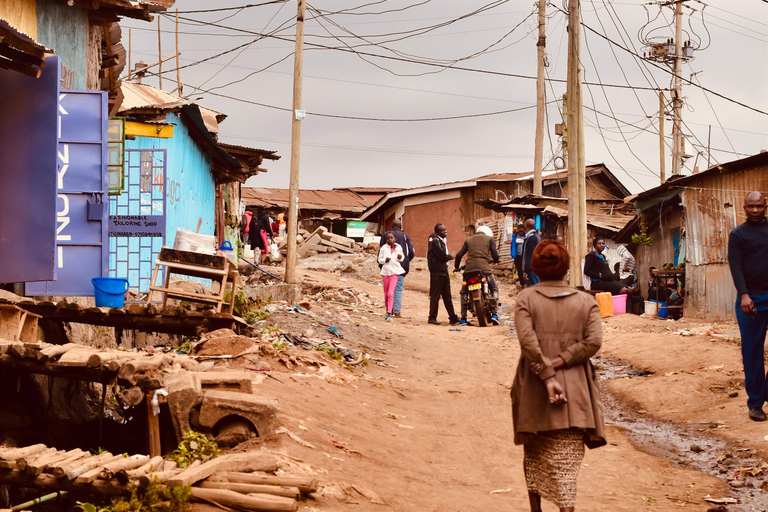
(390, 256)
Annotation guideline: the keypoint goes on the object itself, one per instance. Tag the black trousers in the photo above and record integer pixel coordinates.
(440, 286)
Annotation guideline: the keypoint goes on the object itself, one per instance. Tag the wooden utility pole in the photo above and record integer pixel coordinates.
(293, 190)
(677, 94)
(662, 164)
(159, 57)
(541, 46)
(178, 71)
(129, 50)
(577, 226)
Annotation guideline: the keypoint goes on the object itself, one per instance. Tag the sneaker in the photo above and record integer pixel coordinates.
(433, 321)
(388, 318)
(464, 321)
(455, 321)
(495, 320)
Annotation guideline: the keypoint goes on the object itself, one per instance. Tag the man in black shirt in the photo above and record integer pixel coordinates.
(747, 254)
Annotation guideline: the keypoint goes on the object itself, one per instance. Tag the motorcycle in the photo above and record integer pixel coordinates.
(476, 296)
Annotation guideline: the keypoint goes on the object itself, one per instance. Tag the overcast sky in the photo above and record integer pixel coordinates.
(381, 137)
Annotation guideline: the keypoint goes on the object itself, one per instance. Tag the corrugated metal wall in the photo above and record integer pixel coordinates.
(714, 206)
(191, 189)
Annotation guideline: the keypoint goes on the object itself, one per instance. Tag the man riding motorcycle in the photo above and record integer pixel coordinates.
(480, 249)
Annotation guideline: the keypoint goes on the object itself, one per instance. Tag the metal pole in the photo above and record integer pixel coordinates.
(677, 133)
(541, 45)
(662, 164)
(293, 191)
(129, 50)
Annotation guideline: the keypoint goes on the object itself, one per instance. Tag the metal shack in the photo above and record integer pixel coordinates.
(689, 219)
(176, 175)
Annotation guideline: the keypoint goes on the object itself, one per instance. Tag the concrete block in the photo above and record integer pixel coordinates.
(290, 293)
(184, 394)
(218, 405)
(230, 381)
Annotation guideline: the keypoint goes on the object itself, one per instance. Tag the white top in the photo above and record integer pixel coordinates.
(391, 267)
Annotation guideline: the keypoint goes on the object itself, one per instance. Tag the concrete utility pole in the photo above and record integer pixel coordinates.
(577, 208)
(541, 46)
(677, 95)
(293, 190)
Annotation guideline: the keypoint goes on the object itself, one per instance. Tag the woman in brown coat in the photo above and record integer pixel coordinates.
(556, 405)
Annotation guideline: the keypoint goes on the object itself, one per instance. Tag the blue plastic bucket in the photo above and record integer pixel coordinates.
(109, 291)
(662, 309)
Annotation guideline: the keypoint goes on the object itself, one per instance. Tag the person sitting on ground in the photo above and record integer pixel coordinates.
(480, 249)
(596, 267)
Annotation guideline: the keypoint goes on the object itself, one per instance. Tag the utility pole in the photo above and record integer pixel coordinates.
(662, 164)
(159, 58)
(577, 226)
(293, 190)
(677, 133)
(541, 46)
(178, 68)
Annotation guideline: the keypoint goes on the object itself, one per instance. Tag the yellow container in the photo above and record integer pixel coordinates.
(605, 303)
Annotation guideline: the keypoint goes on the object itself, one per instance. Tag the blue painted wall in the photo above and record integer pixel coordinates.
(191, 191)
(65, 29)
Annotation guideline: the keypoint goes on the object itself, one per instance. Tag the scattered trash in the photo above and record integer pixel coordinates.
(459, 330)
(335, 331)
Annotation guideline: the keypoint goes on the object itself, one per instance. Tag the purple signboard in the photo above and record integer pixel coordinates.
(136, 225)
(28, 174)
(81, 187)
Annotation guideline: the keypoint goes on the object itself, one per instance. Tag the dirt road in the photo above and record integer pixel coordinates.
(426, 426)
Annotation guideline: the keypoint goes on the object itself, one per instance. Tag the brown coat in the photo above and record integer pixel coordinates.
(554, 319)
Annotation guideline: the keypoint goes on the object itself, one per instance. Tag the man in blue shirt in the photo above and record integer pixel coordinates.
(747, 254)
(532, 239)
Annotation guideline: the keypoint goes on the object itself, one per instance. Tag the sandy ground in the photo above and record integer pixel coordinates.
(426, 425)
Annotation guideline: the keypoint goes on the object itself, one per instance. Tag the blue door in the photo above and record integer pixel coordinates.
(28, 174)
(137, 218)
(81, 187)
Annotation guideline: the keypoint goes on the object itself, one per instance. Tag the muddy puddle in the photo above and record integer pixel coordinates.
(693, 446)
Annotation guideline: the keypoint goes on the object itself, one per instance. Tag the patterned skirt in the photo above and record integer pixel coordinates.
(551, 462)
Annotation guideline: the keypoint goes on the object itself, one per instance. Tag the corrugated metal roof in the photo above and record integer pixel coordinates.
(141, 96)
(330, 200)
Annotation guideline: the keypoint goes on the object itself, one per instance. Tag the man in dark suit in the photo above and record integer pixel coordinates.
(439, 280)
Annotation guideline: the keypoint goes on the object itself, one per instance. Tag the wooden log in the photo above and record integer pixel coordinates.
(132, 396)
(76, 468)
(277, 490)
(305, 484)
(23, 462)
(129, 369)
(123, 464)
(99, 358)
(124, 476)
(77, 357)
(153, 429)
(20, 479)
(54, 351)
(12, 454)
(237, 462)
(257, 502)
(94, 473)
(162, 476)
(40, 466)
(169, 465)
(342, 248)
(17, 349)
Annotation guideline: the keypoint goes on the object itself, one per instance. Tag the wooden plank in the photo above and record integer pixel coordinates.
(305, 484)
(257, 502)
(277, 490)
(76, 358)
(236, 462)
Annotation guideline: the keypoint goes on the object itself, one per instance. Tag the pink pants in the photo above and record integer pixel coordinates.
(390, 283)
